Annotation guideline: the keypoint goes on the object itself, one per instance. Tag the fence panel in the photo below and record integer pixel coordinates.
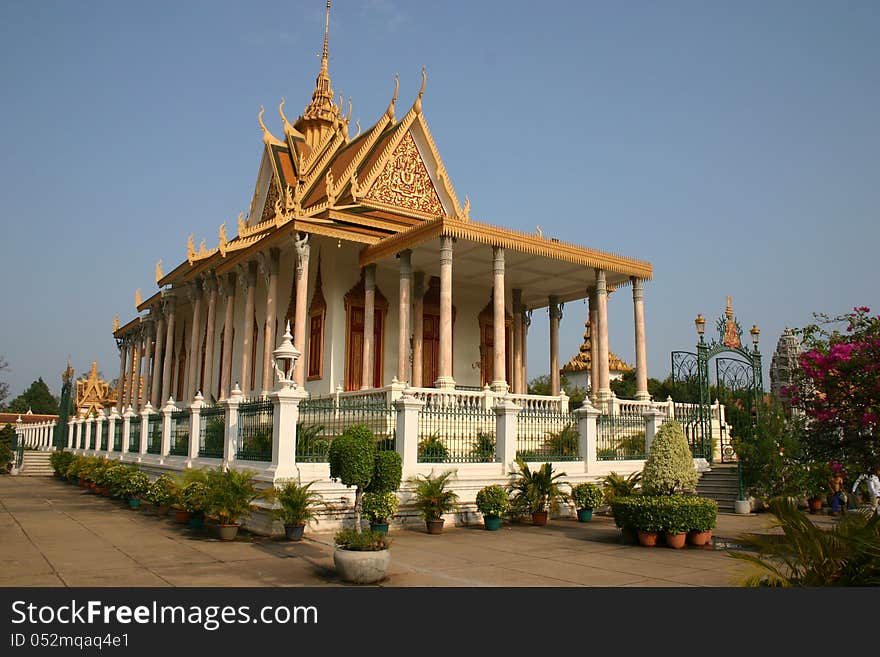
(117, 435)
(547, 435)
(255, 430)
(179, 433)
(212, 431)
(697, 430)
(154, 433)
(322, 419)
(134, 435)
(456, 434)
(620, 437)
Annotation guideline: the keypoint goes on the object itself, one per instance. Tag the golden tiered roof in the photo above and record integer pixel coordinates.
(582, 361)
(386, 180)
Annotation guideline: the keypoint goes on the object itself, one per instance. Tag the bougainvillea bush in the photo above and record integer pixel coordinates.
(838, 388)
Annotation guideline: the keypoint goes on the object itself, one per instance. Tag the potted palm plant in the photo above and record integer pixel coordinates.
(298, 507)
(586, 497)
(231, 494)
(492, 502)
(380, 507)
(434, 498)
(536, 492)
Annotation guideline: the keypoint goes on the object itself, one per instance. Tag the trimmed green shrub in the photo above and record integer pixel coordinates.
(387, 473)
(670, 513)
(380, 507)
(493, 501)
(60, 461)
(162, 492)
(351, 539)
(135, 484)
(586, 495)
(670, 467)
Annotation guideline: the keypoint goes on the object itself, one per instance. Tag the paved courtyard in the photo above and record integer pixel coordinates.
(54, 534)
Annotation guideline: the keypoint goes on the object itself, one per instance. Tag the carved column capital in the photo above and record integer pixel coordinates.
(600, 282)
(638, 288)
(555, 308)
(497, 260)
(446, 250)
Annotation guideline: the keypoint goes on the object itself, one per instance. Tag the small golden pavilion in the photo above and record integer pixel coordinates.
(362, 244)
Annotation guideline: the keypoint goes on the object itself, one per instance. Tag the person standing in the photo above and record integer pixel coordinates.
(838, 494)
(873, 481)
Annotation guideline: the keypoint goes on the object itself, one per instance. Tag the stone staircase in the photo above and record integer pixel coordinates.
(720, 483)
(35, 464)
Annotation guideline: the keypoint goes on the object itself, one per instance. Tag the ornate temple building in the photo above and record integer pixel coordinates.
(93, 394)
(579, 369)
(361, 243)
(784, 364)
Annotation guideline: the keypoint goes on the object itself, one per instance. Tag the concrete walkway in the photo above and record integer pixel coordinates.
(55, 534)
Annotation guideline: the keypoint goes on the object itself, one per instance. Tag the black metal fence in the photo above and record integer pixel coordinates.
(620, 437)
(547, 435)
(322, 419)
(179, 433)
(134, 434)
(154, 433)
(212, 431)
(456, 434)
(255, 419)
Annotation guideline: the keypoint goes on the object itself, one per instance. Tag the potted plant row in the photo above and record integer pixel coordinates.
(677, 517)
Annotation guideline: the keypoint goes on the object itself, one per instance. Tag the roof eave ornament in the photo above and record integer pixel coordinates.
(417, 106)
(268, 137)
(390, 111)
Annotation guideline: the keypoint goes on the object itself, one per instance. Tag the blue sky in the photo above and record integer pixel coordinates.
(733, 145)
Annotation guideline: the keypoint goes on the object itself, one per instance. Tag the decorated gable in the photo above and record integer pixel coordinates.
(405, 183)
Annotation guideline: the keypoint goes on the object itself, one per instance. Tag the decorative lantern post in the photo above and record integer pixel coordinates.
(286, 399)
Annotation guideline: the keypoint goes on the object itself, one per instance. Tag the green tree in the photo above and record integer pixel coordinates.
(37, 399)
(7, 440)
(669, 468)
(4, 387)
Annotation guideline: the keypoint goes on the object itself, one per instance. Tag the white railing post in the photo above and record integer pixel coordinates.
(79, 432)
(88, 441)
(145, 428)
(670, 408)
(506, 433)
(165, 445)
(99, 429)
(285, 415)
(563, 402)
(126, 430)
(407, 439)
(230, 445)
(195, 428)
(70, 425)
(111, 429)
(654, 419)
(395, 390)
(588, 434)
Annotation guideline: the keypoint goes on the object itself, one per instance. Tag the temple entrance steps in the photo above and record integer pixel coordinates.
(720, 483)
(35, 464)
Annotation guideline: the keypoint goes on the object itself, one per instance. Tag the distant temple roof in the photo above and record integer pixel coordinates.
(581, 361)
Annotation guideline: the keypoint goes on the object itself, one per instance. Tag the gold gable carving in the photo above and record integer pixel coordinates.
(404, 182)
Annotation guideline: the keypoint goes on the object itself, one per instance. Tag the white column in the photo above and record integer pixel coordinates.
(127, 418)
(284, 420)
(587, 415)
(195, 411)
(604, 390)
(555, 312)
(271, 272)
(165, 447)
(228, 328)
(594, 343)
(134, 365)
(641, 350)
(407, 443)
(517, 342)
(195, 341)
(79, 433)
(147, 362)
(654, 419)
(158, 352)
(403, 330)
(145, 430)
(169, 306)
(99, 428)
(209, 289)
(526, 322)
(70, 429)
(230, 445)
(418, 328)
(445, 379)
(300, 320)
(112, 418)
(499, 363)
(88, 442)
(369, 326)
(506, 433)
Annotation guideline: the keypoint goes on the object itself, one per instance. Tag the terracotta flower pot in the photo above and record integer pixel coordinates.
(434, 526)
(181, 516)
(676, 540)
(539, 518)
(700, 538)
(628, 536)
(647, 539)
(815, 504)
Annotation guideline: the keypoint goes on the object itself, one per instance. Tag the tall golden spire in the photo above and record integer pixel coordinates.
(322, 108)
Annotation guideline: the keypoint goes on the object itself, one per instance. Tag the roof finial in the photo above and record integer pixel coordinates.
(326, 38)
(322, 106)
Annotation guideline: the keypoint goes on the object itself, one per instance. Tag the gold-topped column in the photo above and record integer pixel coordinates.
(147, 362)
(499, 363)
(403, 315)
(445, 380)
(641, 350)
(418, 328)
(158, 351)
(123, 368)
(526, 322)
(132, 374)
(369, 326)
(555, 312)
(300, 319)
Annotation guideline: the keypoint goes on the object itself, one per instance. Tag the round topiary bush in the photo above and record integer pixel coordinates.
(493, 501)
(586, 495)
(669, 468)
